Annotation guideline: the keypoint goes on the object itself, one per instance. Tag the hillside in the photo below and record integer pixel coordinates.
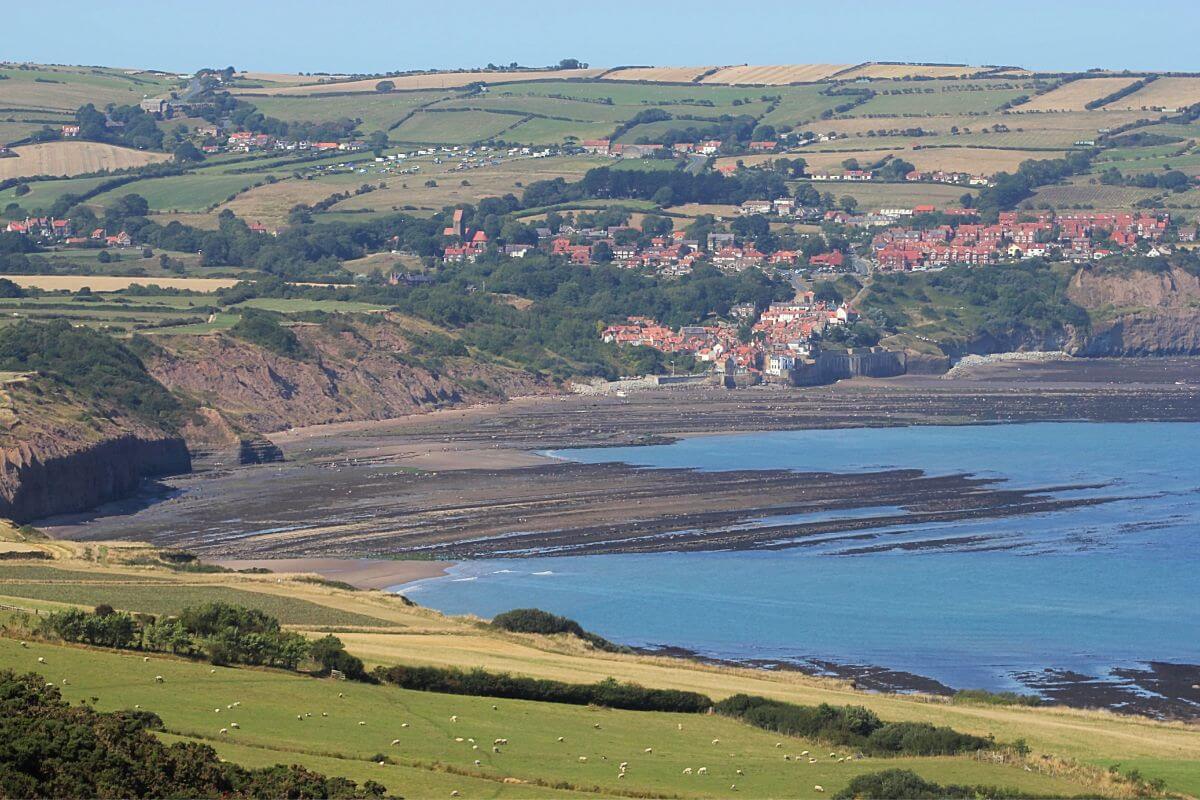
(551, 748)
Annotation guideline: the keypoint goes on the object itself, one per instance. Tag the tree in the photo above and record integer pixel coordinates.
(188, 152)
(848, 203)
(602, 253)
(385, 86)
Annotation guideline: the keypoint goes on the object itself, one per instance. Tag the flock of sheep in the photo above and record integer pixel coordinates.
(497, 743)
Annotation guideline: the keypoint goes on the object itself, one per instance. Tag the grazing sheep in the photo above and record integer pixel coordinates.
(158, 679)
(403, 724)
(833, 755)
(495, 749)
(687, 770)
(472, 741)
(454, 793)
(360, 722)
(596, 725)
(679, 726)
(500, 741)
(716, 741)
(458, 739)
(341, 695)
(381, 763)
(224, 730)
(24, 644)
(583, 759)
(41, 660)
(620, 774)
(454, 718)
(818, 788)
(562, 738)
(739, 772)
(395, 741)
(146, 659)
(495, 708)
(787, 757)
(49, 685)
(234, 725)
(474, 747)
(64, 681)
(237, 703)
(702, 771)
(779, 744)
(812, 761)
(478, 762)
(648, 750)
(308, 713)
(804, 753)
(212, 672)
(137, 706)
(624, 765)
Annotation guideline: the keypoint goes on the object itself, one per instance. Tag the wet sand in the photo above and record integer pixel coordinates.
(364, 573)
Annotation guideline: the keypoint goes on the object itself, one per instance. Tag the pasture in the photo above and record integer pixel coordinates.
(932, 98)
(871, 196)
(1073, 195)
(43, 194)
(73, 158)
(424, 80)
(62, 88)
(192, 192)
(973, 160)
(451, 737)
(883, 70)
(453, 127)
(378, 112)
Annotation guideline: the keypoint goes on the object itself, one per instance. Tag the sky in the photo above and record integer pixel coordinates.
(372, 36)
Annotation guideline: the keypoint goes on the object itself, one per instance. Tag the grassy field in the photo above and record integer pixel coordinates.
(194, 192)
(431, 745)
(939, 97)
(461, 127)
(1093, 196)
(909, 71)
(894, 195)
(378, 112)
(432, 80)
(43, 194)
(68, 88)
(73, 158)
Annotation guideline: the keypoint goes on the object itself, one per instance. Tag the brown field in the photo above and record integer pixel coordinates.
(196, 219)
(700, 209)
(664, 74)
(1097, 197)
(1076, 94)
(975, 160)
(73, 158)
(1162, 93)
(271, 202)
(910, 71)
(433, 80)
(776, 75)
(113, 283)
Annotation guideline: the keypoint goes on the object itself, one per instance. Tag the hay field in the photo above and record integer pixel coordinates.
(975, 160)
(271, 202)
(73, 158)
(909, 71)
(774, 75)
(68, 88)
(285, 78)
(660, 74)
(1162, 93)
(1075, 95)
(432, 80)
(112, 283)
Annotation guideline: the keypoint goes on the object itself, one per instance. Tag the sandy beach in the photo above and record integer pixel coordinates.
(365, 573)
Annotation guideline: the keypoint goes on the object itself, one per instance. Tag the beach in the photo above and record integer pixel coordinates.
(362, 573)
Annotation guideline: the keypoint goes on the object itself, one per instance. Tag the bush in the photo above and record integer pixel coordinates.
(534, 620)
(263, 329)
(480, 683)
(853, 726)
(903, 784)
(51, 749)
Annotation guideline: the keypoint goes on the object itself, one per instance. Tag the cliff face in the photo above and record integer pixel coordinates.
(360, 372)
(60, 453)
(1139, 314)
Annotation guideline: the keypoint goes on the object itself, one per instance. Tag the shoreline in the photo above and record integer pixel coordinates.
(362, 573)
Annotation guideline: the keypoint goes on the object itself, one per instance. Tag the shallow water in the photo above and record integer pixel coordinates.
(1085, 589)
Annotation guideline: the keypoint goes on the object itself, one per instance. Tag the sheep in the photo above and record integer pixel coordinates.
(41, 660)
(474, 747)
(341, 695)
(818, 788)
(458, 739)
(146, 659)
(739, 772)
(833, 755)
(478, 762)
(779, 744)
(716, 741)
(224, 731)
(64, 681)
(596, 725)
(495, 708)
(403, 724)
(300, 717)
(360, 722)
(787, 757)
(454, 718)
(137, 706)
(620, 774)
(702, 771)
(381, 763)
(687, 770)
(212, 672)
(234, 725)
(498, 741)
(495, 749)
(158, 679)
(216, 711)
(812, 761)
(469, 739)
(648, 750)
(624, 765)
(308, 713)
(804, 752)
(237, 703)
(454, 793)
(395, 742)
(679, 726)
(49, 684)
(583, 759)
(562, 738)
(25, 645)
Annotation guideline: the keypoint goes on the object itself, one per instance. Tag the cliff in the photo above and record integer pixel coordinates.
(1138, 313)
(351, 371)
(61, 453)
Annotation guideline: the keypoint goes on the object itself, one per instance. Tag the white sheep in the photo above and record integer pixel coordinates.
(716, 741)
(478, 762)
(702, 771)
(41, 660)
(804, 752)
(596, 726)
(146, 659)
(403, 724)
(234, 725)
(779, 744)
(137, 706)
(498, 741)
(624, 765)
(733, 787)
(395, 742)
(360, 722)
(620, 774)
(495, 749)
(212, 672)
(648, 750)
(739, 772)
(818, 788)
(458, 739)
(64, 681)
(224, 731)
(300, 717)
(454, 718)
(562, 738)
(812, 761)
(341, 695)
(454, 793)
(687, 770)
(583, 759)
(158, 679)
(25, 644)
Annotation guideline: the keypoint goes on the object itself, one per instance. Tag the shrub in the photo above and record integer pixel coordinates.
(534, 620)
(903, 784)
(480, 683)
(263, 329)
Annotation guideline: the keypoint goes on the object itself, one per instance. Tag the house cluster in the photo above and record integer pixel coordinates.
(784, 337)
(956, 178)
(247, 141)
(784, 207)
(46, 229)
(1080, 237)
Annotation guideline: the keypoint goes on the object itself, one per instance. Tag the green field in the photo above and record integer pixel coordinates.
(182, 192)
(435, 752)
(68, 88)
(43, 194)
(458, 127)
(377, 112)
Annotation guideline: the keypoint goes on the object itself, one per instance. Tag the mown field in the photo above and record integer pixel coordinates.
(73, 158)
(67, 88)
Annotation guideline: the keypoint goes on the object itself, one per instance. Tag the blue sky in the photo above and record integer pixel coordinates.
(376, 36)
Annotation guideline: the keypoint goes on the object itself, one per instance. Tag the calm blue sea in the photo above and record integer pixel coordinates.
(1085, 589)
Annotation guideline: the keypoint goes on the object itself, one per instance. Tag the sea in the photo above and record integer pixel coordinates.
(971, 603)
